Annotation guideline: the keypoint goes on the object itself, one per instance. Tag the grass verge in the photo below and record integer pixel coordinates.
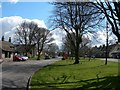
(88, 75)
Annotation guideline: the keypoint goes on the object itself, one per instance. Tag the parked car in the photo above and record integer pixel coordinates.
(54, 56)
(47, 57)
(20, 58)
(24, 57)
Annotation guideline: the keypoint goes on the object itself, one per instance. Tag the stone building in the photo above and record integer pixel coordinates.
(6, 50)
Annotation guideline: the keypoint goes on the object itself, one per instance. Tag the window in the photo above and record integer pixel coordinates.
(9, 54)
(118, 48)
(6, 54)
(0, 53)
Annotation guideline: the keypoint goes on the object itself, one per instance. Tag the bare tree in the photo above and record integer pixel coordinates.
(77, 18)
(84, 46)
(24, 34)
(28, 33)
(111, 10)
(41, 38)
(68, 47)
(52, 49)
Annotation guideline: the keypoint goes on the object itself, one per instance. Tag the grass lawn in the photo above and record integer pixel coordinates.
(88, 75)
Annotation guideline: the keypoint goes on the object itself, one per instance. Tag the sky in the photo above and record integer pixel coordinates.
(29, 10)
(13, 12)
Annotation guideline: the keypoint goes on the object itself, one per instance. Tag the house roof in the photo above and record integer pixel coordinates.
(116, 52)
(115, 49)
(23, 48)
(6, 46)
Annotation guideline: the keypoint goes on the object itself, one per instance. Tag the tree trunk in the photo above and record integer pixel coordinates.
(77, 47)
(77, 53)
(26, 50)
(89, 58)
(39, 51)
(38, 58)
(76, 56)
(117, 35)
(119, 39)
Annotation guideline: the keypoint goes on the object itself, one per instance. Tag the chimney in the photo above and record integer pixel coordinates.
(9, 39)
(2, 38)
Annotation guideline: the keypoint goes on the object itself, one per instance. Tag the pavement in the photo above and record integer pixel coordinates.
(1, 61)
(111, 59)
(15, 75)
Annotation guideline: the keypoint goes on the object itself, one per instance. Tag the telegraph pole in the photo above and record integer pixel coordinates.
(106, 43)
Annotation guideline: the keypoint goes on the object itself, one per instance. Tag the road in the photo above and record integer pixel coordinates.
(111, 59)
(15, 75)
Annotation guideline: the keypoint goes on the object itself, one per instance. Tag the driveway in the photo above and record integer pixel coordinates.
(15, 75)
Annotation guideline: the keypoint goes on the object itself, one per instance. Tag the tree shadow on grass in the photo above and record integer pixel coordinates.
(105, 83)
(61, 65)
(82, 68)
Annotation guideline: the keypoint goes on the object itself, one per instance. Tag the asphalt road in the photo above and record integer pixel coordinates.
(111, 59)
(15, 75)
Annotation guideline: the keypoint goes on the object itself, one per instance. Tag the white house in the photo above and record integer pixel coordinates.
(115, 51)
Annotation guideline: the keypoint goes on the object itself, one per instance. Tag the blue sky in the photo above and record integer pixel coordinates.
(30, 10)
(14, 12)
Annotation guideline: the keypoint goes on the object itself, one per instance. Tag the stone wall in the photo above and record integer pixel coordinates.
(7, 58)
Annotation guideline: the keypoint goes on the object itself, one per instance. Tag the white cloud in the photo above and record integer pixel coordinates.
(97, 39)
(100, 38)
(39, 22)
(58, 35)
(13, 1)
(0, 6)
(9, 24)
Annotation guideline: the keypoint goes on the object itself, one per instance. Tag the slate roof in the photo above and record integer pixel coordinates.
(23, 48)
(6, 46)
(116, 49)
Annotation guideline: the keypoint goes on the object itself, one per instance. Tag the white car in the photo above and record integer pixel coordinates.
(24, 57)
